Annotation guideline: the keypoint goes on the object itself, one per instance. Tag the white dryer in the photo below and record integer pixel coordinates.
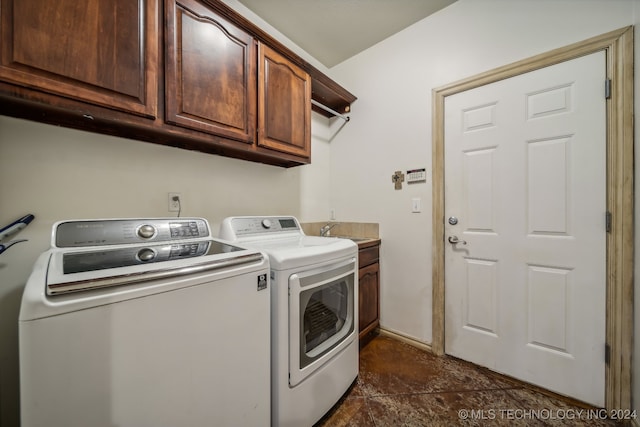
(146, 323)
(314, 314)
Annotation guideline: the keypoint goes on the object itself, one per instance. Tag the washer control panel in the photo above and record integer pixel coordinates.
(81, 233)
(80, 262)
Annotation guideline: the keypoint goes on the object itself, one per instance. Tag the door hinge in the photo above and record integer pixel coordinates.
(607, 89)
(607, 354)
(608, 221)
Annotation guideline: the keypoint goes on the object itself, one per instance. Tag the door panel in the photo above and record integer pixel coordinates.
(284, 104)
(210, 72)
(547, 186)
(525, 174)
(368, 301)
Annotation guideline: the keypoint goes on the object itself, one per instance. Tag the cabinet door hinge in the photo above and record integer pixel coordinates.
(608, 221)
(607, 354)
(607, 89)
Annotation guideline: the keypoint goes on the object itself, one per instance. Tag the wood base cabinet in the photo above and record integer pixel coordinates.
(368, 289)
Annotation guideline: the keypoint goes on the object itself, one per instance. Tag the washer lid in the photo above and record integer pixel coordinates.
(82, 270)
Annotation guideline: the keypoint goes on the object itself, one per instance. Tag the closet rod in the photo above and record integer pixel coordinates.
(325, 108)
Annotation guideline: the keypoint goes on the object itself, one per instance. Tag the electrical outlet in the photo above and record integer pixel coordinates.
(174, 202)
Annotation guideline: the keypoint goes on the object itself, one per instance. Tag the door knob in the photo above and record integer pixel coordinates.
(454, 240)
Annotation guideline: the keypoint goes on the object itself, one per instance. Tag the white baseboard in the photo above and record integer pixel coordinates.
(409, 340)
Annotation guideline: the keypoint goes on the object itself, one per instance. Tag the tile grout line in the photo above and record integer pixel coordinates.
(368, 396)
(369, 413)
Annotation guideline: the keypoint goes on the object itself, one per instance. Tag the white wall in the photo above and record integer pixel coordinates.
(391, 122)
(314, 178)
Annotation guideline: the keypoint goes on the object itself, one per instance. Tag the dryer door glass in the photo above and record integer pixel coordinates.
(326, 317)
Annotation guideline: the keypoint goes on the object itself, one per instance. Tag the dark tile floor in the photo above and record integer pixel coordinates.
(401, 385)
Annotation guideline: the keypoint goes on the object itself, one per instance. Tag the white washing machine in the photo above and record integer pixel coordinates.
(145, 322)
(314, 322)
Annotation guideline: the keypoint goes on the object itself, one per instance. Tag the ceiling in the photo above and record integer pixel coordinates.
(334, 30)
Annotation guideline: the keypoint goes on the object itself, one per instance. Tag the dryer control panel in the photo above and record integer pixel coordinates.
(82, 233)
(235, 227)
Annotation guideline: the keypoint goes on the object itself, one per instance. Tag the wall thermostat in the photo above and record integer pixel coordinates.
(416, 175)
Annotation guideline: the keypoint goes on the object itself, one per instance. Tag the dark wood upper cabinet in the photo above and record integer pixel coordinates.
(210, 72)
(101, 52)
(284, 104)
(193, 74)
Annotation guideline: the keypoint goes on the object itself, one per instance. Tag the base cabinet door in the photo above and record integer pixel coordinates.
(284, 104)
(104, 52)
(369, 302)
(210, 72)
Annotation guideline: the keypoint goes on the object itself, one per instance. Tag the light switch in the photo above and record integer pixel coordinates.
(415, 205)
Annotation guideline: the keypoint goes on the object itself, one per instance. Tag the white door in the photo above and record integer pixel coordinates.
(525, 179)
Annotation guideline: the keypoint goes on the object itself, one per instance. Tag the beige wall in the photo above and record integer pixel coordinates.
(57, 173)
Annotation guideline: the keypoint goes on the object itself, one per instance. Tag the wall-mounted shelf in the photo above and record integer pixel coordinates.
(329, 93)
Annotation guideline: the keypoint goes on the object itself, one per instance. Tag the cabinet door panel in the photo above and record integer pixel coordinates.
(368, 256)
(210, 73)
(369, 302)
(103, 52)
(284, 104)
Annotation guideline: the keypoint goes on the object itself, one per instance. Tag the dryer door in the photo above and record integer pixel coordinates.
(322, 316)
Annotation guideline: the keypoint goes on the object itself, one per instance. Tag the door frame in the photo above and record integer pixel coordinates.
(618, 45)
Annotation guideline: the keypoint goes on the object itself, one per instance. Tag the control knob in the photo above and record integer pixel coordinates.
(146, 254)
(266, 223)
(146, 231)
